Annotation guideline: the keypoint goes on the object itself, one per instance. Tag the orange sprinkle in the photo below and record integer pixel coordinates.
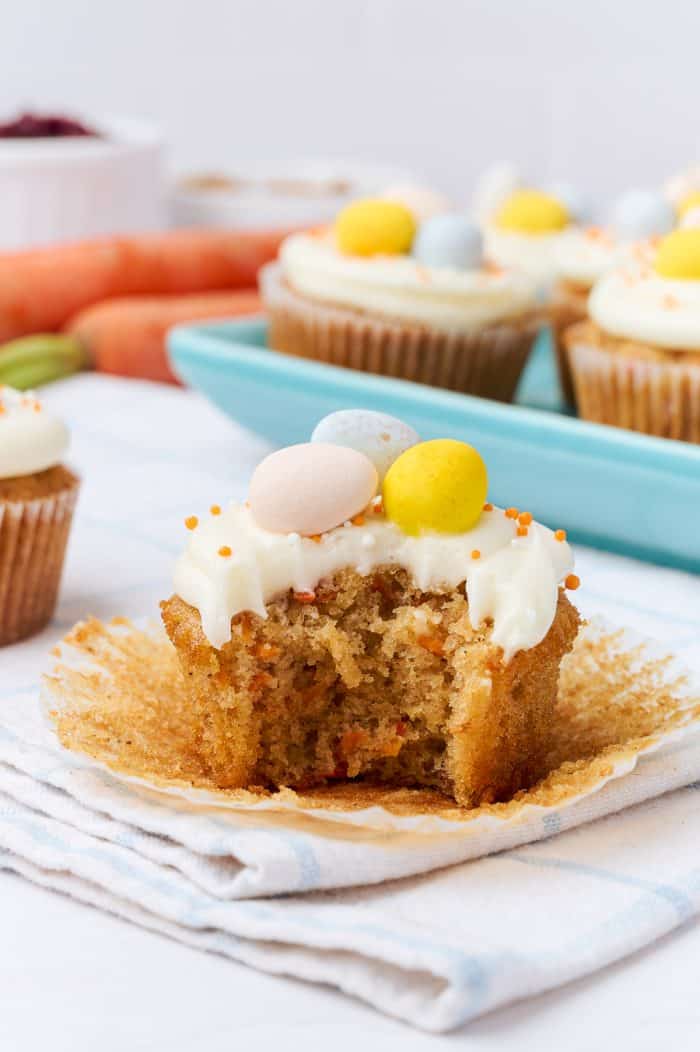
(225, 551)
(305, 597)
(191, 522)
(215, 509)
(315, 537)
(378, 508)
(522, 531)
(524, 518)
(358, 520)
(669, 301)
(572, 582)
(560, 535)
(488, 506)
(511, 513)
(476, 554)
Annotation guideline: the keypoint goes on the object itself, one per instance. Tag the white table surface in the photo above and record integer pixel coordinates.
(74, 979)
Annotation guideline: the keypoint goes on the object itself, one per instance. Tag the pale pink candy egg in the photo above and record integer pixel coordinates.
(311, 488)
(691, 217)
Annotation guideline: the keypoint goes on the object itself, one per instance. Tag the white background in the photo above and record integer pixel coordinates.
(602, 92)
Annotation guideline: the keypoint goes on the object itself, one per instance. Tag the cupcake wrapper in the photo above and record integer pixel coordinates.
(33, 537)
(566, 309)
(486, 363)
(655, 397)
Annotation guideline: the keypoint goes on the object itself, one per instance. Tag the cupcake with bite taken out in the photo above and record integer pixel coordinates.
(368, 616)
(414, 298)
(37, 498)
(636, 361)
(585, 253)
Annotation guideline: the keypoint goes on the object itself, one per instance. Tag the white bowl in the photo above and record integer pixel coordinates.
(66, 188)
(260, 200)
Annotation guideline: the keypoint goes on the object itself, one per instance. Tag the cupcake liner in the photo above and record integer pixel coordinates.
(33, 537)
(567, 307)
(657, 397)
(486, 363)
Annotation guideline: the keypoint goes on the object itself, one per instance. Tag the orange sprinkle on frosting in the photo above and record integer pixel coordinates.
(215, 509)
(225, 551)
(358, 520)
(488, 506)
(476, 554)
(524, 518)
(522, 531)
(572, 582)
(315, 537)
(560, 535)
(191, 522)
(511, 513)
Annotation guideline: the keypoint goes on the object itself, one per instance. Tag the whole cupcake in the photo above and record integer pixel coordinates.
(384, 293)
(636, 361)
(585, 253)
(37, 498)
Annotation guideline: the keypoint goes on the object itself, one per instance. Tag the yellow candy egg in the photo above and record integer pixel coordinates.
(691, 200)
(375, 227)
(678, 256)
(439, 485)
(532, 212)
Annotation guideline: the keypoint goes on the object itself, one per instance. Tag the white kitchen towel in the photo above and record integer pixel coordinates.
(435, 950)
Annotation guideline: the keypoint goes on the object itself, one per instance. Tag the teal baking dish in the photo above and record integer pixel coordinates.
(607, 487)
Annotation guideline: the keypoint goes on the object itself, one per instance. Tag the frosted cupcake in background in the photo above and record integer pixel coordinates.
(524, 225)
(403, 291)
(636, 361)
(585, 253)
(37, 498)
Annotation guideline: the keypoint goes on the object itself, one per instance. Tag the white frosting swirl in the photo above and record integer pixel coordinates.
(584, 254)
(514, 582)
(532, 254)
(399, 287)
(637, 304)
(31, 439)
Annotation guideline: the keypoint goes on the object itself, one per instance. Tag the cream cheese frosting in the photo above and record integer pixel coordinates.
(513, 582)
(31, 439)
(535, 255)
(638, 304)
(584, 255)
(398, 287)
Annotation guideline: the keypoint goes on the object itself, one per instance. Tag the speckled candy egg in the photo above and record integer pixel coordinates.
(374, 227)
(678, 257)
(640, 214)
(311, 488)
(380, 437)
(529, 211)
(449, 241)
(439, 485)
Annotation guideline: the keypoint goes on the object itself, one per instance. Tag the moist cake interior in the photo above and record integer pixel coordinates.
(370, 677)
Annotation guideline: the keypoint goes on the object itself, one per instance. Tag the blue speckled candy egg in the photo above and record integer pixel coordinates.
(449, 241)
(382, 438)
(639, 214)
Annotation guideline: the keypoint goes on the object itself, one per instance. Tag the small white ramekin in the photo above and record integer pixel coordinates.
(63, 189)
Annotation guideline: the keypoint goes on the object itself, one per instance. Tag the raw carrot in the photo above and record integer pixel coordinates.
(40, 289)
(127, 336)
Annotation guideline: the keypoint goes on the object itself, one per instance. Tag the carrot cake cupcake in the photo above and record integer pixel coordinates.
(37, 497)
(387, 294)
(636, 362)
(585, 253)
(368, 615)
